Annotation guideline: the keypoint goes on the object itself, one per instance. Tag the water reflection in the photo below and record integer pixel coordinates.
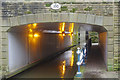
(72, 59)
(66, 63)
(60, 67)
(63, 68)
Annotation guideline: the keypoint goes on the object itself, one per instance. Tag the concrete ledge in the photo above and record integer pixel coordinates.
(39, 17)
(55, 17)
(14, 21)
(30, 18)
(82, 18)
(22, 20)
(64, 17)
(90, 19)
(99, 20)
(47, 17)
(73, 17)
(108, 20)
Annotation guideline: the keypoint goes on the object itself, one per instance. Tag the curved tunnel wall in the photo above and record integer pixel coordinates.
(103, 45)
(24, 50)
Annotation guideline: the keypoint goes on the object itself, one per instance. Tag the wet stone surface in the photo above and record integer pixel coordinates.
(95, 66)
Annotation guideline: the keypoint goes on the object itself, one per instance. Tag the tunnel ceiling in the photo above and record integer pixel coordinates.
(56, 27)
(88, 27)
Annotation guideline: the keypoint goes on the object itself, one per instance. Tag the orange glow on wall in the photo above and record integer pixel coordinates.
(30, 30)
(29, 25)
(71, 27)
(63, 68)
(34, 35)
(72, 59)
(62, 27)
(35, 24)
(31, 35)
(32, 25)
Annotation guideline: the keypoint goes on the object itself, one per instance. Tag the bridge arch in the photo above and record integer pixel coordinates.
(101, 24)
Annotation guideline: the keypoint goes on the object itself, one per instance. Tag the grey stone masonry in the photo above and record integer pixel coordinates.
(116, 36)
(21, 8)
(99, 15)
(0, 41)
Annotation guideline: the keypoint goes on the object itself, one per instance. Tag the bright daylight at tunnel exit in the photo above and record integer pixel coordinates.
(59, 39)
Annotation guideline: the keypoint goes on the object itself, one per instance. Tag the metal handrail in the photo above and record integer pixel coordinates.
(82, 55)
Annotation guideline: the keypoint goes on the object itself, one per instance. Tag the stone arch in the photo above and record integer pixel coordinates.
(106, 22)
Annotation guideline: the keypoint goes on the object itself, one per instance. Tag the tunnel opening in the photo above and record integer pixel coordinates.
(34, 42)
(97, 35)
(94, 38)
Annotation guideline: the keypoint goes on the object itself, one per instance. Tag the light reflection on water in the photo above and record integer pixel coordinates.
(72, 59)
(66, 63)
(63, 68)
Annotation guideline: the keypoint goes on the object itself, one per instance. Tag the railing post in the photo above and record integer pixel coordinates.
(78, 63)
(86, 52)
(83, 58)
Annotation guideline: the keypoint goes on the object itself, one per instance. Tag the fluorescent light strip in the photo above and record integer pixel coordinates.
(52, 31)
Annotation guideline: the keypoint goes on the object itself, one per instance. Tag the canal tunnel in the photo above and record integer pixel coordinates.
(34, 42)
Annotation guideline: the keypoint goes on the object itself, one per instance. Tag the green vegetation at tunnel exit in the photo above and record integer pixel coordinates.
(94, 37)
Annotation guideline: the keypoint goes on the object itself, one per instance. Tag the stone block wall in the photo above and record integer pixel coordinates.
(4, 50)
(11, 9)
(117, 36)
(0, 41)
